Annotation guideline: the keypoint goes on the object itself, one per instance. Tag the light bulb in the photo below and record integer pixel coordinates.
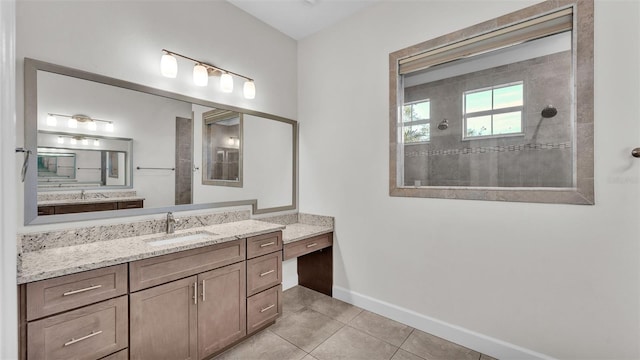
(200, 75)
(226, 83)
(92, 126)
(52, 120)
(249, 89)
(73, 141)
(60, 140)
(72, 123)
(237, 142)
(96, 142)
(230, 141)
(168, 66)
(109, 127)
(85, 141)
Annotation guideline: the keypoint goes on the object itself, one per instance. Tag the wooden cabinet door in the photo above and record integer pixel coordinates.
(163, 321)
(222, 315)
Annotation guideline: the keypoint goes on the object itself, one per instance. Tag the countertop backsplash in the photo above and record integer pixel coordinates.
(81, 235)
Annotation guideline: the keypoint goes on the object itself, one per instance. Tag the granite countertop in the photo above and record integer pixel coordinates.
(88, 201)
(48, 263)
(300, 231)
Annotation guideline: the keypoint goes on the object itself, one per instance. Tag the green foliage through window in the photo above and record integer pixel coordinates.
(494, 111)
(415, 121)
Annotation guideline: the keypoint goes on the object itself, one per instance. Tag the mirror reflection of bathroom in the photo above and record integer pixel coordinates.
(498, 119)
(222, 147)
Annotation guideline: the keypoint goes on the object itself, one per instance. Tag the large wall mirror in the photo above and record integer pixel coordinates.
(502, 110)
(92, 134)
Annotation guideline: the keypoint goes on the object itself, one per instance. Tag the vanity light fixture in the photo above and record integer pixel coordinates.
(72, 123)
(202, 71)
(169, 66)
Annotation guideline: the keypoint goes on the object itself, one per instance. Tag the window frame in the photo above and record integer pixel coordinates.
(404, 124)
(492, 112)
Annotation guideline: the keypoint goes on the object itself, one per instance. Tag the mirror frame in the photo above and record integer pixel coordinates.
(583, 191)
(31, 68)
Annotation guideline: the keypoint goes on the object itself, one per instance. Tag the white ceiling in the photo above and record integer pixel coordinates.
(300, 18)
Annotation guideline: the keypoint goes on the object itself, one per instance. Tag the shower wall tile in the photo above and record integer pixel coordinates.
(504, 161)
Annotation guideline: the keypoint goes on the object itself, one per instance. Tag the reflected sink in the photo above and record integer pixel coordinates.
(178, 238)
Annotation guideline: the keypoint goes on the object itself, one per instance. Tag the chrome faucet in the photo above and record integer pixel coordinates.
(171, 223)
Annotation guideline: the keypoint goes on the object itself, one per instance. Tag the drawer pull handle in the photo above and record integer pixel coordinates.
(81, 290)
(203, 292)
(312, 245)
(73, 341)
(266, 273)
(267, 308)
(195, 293)
(268, 244)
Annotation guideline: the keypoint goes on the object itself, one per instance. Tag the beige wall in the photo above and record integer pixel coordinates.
(561, 280)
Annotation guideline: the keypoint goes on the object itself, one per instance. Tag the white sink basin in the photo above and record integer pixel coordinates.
(178, 238)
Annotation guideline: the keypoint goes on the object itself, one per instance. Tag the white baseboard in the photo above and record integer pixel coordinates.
(473, 340)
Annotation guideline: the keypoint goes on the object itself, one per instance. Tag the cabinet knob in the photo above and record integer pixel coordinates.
(635, 153)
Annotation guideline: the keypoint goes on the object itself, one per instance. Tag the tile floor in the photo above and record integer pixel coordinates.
(314, 326)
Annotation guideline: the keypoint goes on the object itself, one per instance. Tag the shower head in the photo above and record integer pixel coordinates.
(444, 124)
(549, 111)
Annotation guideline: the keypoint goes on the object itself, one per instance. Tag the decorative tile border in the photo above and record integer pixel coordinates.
(488, 149)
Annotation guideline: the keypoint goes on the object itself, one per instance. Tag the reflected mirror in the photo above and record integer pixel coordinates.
(68, 161)
(167, 151)
(222, 148)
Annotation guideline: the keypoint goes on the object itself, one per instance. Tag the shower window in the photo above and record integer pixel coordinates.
(496, 139)
(494, 111)
(415, 122)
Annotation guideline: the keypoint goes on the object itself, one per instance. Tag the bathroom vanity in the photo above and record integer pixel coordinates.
(187, 295)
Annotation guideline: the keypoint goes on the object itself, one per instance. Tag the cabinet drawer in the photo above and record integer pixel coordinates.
(46, 210)
(90, 332)
(264, 272)
(162, 269)
(51, 296)
(120, 355)
(134, 204)
(78, 208)
(264, 244)
(303, 247)
(263, 308)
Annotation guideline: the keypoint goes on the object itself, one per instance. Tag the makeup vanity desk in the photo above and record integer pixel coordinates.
(312, 245)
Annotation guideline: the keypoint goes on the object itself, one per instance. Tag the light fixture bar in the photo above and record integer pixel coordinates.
(81, 118)
(206, 64)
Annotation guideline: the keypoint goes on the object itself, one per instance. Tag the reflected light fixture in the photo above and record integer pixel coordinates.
(91, 123)
(51, 120)
(74, 139)
(249, 89)
(226, 83)
(202, 71)
(72, 123)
